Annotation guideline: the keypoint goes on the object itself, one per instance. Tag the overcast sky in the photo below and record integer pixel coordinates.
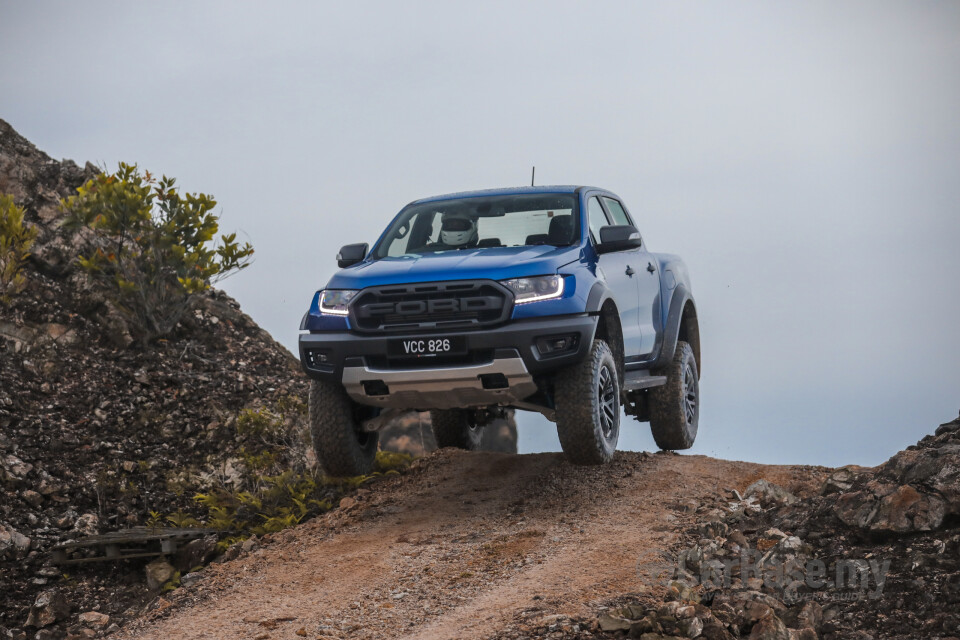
(804, 158)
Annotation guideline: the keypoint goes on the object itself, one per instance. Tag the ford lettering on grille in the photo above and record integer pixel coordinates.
(418, 307)
(441, 305)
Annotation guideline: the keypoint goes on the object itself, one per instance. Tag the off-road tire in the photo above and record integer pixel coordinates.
(587, 403)
(675, 406)
(342, 448)
(454, 428)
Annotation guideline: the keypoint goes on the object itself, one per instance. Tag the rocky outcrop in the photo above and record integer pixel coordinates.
(876, 554)
(916, 490)
(38, 183)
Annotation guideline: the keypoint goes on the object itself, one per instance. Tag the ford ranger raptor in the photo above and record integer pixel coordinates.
(543, 299)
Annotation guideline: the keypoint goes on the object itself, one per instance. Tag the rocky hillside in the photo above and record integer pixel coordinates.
(97, 432)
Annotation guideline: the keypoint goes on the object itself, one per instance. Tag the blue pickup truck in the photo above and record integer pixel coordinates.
(543, 299)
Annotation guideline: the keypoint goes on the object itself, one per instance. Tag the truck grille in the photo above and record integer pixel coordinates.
(432, 306)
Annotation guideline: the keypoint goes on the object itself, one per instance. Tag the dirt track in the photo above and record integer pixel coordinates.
(463, 547)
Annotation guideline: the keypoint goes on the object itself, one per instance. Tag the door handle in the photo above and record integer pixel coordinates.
(650, 267)
(630, 271)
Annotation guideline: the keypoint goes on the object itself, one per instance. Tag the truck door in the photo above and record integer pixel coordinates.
(619, 270)
(647, 281)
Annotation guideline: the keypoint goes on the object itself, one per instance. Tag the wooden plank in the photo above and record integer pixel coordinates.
(138, 534)
(101, 558)
(137, 542)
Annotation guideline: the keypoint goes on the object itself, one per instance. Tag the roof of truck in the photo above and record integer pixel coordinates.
(503, 192)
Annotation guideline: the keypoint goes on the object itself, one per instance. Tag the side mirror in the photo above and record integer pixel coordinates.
(351, 254)
(618, 237)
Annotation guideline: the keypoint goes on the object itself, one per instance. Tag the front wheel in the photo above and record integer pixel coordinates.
(675, 407)
(587, 402)
(342, 447)
(457, 428)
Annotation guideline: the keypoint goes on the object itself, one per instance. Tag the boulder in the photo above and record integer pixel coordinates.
(13, 470)
(769, 494)
(770, 628)
(915, 490)
(49, 607)
(88, 524)
(715, 630)
(806, 615)
(33, 498)
(839, 481)
(95, 619)
(191, 579)
(159, 572)
(196, 553)
(609, 622)
(906, 510)
(250, 544)
(13, 543)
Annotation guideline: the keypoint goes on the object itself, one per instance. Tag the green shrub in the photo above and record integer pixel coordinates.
(278, 502)
(284, 500)
(152, 247)
(172, 583)
(16, 238)
(387, 461)
(279, 488)
(274, 439)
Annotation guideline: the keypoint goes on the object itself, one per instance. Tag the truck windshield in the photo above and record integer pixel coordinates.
(483, 223)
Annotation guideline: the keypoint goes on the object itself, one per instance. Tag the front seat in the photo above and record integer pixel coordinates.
(561, 230)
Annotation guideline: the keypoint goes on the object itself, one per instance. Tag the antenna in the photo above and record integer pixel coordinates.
(533, 174)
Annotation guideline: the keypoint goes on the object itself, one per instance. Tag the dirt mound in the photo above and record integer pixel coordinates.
(468, 545)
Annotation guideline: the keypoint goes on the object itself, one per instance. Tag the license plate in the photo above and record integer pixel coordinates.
(426, 347)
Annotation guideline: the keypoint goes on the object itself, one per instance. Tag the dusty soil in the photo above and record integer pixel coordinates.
(466, 546)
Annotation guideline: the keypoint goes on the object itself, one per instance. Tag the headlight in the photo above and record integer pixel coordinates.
(334, 302)
(534, 289)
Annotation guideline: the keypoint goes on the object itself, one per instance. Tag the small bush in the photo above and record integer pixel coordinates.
(280, 488)
(278, 502)
(16, 238)
(274, 439)
(284, 500)
(387, 461)
(150, 246)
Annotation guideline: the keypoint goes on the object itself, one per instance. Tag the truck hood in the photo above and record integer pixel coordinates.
(492, 263)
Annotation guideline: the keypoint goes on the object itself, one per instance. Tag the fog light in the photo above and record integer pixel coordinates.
(554, 345)
(318, 358)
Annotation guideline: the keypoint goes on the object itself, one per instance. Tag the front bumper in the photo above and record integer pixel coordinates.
(503, 381)
(508, 352)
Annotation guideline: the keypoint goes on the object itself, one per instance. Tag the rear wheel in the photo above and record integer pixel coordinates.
(457, 428)
(675, 407)
(342, 447)
(587, 401)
